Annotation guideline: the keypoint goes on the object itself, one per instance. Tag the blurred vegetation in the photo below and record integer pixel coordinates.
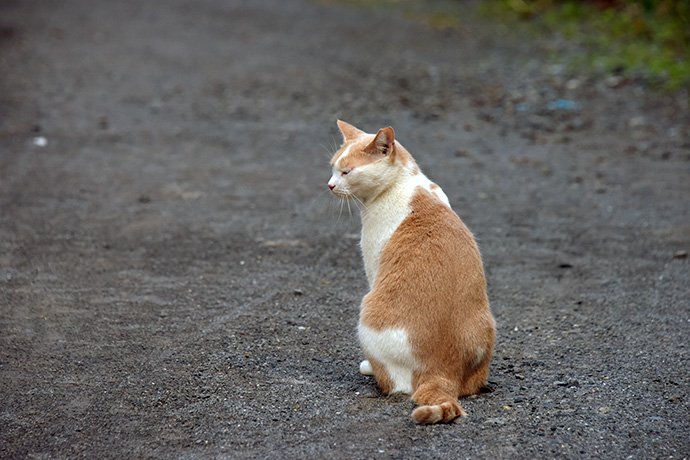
(440, 14)
(636, 39)
(648, 39)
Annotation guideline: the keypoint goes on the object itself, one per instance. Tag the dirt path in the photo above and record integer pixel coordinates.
(176, 281)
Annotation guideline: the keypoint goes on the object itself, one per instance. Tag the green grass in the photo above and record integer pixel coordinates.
(638, 39)
(648, 39)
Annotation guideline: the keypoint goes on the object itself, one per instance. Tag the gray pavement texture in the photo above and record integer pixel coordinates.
(177, 282)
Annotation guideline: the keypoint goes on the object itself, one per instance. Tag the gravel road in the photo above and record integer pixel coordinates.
(177, 282)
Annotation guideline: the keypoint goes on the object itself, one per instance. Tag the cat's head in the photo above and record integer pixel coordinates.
(368, 164)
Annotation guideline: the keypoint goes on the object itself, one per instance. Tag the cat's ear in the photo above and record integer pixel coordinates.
(383, 143)
(349, 131)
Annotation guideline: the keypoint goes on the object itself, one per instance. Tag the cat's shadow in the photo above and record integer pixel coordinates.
(397, 398)
(489, 387)
(402, 398)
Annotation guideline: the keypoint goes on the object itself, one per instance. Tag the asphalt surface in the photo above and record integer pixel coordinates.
(177, 282)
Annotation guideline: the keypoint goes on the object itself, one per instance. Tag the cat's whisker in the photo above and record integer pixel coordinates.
(326, 203)
(328, 152)
(340, 212)
(360, 204)
(355, 200)
(335, 144)
(330, 149)
(322, 192)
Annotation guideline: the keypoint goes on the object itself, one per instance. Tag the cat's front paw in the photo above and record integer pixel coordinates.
(365, 368)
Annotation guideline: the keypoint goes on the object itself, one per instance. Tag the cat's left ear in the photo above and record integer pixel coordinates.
(348, 131)
(383, 143)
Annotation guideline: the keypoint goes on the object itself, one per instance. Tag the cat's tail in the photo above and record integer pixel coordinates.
(437, 402)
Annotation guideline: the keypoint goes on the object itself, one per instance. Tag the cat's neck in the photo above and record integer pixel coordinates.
(383, 214)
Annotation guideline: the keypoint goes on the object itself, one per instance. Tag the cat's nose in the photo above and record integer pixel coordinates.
(331, 186)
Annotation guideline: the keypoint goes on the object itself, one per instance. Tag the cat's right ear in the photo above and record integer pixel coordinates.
(383, 143)
(349, 131)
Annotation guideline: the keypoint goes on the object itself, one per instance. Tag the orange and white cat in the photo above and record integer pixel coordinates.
(425, 326)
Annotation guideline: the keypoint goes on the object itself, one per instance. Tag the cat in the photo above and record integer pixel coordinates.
(425, 326)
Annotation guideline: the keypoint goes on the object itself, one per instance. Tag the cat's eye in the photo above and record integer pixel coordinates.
(345, 172)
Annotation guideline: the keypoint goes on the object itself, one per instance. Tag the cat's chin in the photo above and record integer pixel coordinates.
(343, 195)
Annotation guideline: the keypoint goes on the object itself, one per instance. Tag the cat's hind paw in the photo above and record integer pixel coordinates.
(365, 368)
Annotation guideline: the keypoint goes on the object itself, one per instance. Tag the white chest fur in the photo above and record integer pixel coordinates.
(378, 224)
(382, 216)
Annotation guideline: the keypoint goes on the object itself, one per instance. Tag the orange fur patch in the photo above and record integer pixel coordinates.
(431, 284)
(361, 148)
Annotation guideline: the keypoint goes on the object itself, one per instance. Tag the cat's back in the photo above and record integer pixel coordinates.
(430, 267)
(432, 232)
(430, 241)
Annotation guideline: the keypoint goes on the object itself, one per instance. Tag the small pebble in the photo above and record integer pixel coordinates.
(496, 421)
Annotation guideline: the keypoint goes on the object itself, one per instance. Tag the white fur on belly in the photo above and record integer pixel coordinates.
(392, 348)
